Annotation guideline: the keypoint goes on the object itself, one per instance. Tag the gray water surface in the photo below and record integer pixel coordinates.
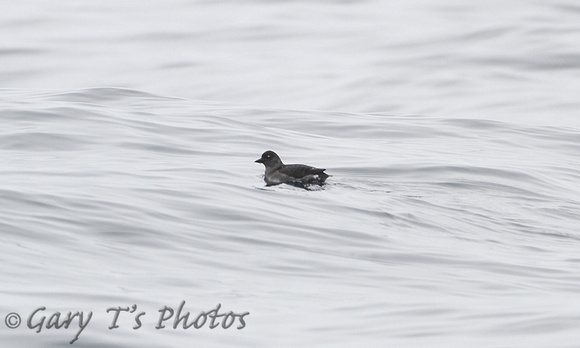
(449, 129)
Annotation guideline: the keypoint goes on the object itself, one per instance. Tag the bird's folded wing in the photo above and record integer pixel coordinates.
(300, 170)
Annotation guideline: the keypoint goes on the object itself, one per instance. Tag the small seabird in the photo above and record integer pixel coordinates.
(294, 174)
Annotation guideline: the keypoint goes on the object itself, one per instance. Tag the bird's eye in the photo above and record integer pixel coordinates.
(268, 156)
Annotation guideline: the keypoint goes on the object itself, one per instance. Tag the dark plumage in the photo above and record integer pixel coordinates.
(295, 174)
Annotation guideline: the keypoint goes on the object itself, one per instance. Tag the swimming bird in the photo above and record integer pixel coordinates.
(294, 174)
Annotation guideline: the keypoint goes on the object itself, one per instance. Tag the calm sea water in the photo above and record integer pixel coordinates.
(451, 131)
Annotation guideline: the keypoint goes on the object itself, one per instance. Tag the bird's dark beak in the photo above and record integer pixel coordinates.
(259, 160)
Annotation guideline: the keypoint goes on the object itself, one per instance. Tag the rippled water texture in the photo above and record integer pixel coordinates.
(449, 129)
(492, 59)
